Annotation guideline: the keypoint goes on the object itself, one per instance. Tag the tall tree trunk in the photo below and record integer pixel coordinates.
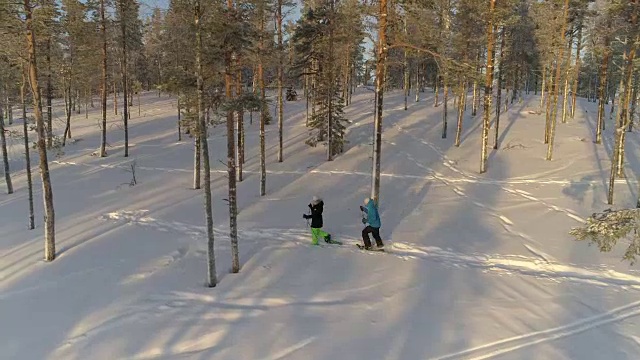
(197, 142)
(47, 192)
(25, 132)
(330, 81)
(547, 129)
(474, 99)
(556, 81)
(436, 85)
(179, 121)
(461, 105)
(576, 74)
(263, 160)
(500, 61)
(49, 95)
(5, 155)
(445, 109)
(115, 96)
(417, 90)
(625, 99)
(307, 94)
(103, 34)
(488, 87)
(604, 74)
(405, 68)
(67, 111)
(544, 83)
(565, 94)
(231, 161)
(125, 84)
(280, 80)
(240, 147)
(380, 73)
(202, 135)
(634, 101)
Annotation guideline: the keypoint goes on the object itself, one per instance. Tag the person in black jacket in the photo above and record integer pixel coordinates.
(316, 207)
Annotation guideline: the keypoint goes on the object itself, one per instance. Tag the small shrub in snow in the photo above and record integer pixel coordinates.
(607, 228)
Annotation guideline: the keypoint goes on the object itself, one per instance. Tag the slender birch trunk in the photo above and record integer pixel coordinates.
(201, 125)
(500, 61)
(380, 73)
(280, 80)
(556, 85)
(47, 192)
(49, 92)
(576, 80)
(103, 35)
(240, 147)
(5, 155)
(125, 85)
(604, 73)
(461, 105)
(263, 160)
(488, 88)
(25, 132)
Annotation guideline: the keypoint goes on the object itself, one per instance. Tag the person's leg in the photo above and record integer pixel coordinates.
(323, 234)
(376, 235)
(365, 236)
(314, 236)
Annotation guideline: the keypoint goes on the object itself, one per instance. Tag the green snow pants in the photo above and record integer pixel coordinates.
(317, 233)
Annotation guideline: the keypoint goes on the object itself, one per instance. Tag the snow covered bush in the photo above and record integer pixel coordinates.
(605, 229)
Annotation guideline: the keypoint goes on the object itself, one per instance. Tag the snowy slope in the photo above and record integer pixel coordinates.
(480, 266)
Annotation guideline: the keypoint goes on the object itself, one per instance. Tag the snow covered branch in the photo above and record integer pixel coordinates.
(607, 228)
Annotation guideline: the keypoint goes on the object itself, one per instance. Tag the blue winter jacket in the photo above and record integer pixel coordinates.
(373, 218)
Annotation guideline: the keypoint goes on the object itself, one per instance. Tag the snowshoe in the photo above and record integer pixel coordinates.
(371, 248)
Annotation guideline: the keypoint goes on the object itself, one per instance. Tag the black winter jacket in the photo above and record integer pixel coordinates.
(316, 214)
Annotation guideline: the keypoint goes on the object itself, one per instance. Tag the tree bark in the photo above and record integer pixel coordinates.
(280, 80)
(488, 88)
(576, 80)
(405, 69)
(49, 95)
(556, 80)
(125, 85)
(330, 81)
(565, 95)
(380, 73)
(544, 83)
(231, 160)
(49, 214)
(202, 135)
(263, 160)
(179, 121)
(417, 90)
(461, 105)
(197, 156)
(240, 147)
(5, 155)
(604, 73)
(634, 102)
(445, 109)
(25, 131)
(500, 61)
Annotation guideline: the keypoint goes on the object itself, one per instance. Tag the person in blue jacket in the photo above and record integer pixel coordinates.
(372, 220)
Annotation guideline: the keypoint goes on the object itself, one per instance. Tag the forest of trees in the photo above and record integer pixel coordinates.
(223, 60)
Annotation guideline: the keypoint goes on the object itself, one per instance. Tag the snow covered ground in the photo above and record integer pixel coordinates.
(479, 266)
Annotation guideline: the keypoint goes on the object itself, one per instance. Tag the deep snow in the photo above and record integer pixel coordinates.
(479, 266)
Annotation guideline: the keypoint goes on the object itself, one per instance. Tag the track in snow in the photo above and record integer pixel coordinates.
(539, 266)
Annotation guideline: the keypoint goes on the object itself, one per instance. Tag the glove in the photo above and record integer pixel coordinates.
(361, 208)
(364, 221)
(305, 216)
